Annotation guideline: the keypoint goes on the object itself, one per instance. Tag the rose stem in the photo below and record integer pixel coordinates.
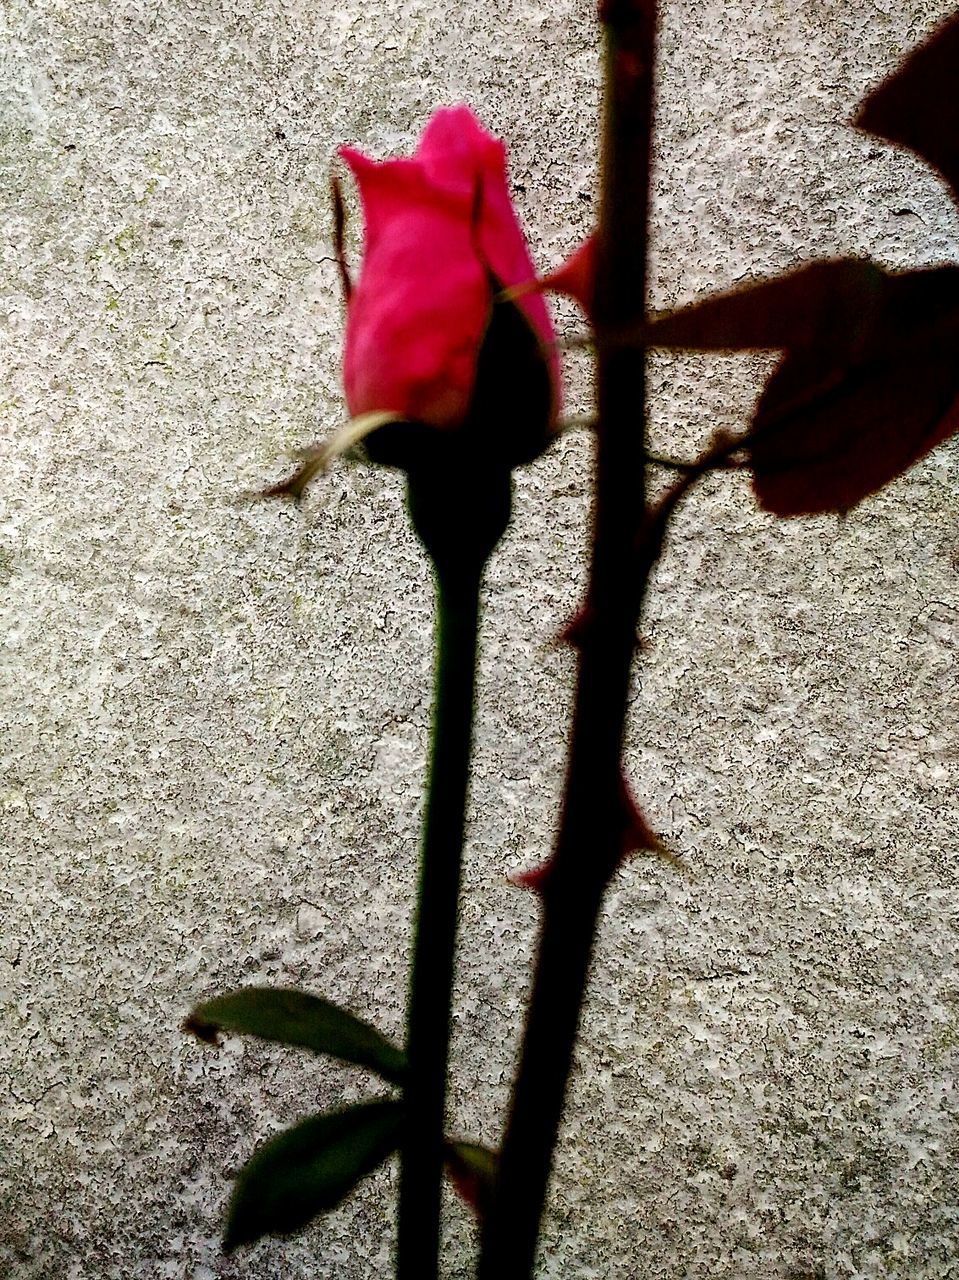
(459, 537)
(588, 849)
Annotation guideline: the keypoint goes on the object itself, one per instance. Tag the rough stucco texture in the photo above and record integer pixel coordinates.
(215, 714)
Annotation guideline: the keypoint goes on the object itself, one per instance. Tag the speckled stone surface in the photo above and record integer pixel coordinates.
(215, 714)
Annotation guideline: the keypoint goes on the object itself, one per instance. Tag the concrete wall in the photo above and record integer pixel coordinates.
(216, 714)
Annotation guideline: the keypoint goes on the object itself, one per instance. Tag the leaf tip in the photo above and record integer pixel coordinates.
(194, 1024)
(230, 1244)
(235, 1233)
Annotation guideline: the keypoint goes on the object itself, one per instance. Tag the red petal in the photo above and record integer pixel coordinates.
(457, 151)
(415, 322)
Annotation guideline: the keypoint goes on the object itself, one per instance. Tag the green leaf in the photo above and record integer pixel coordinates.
(472, 1170)
(309, 1169)
(293, 1017)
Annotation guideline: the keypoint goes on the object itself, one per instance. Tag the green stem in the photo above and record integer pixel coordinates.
(459, 539)
(435, 936)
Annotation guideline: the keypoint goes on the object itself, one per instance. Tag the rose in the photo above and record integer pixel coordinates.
(430, 339)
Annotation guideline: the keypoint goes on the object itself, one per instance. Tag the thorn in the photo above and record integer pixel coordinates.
(576, 277)
(466, 1185)
(574, 632)
(638, 836)
(472, 1178)
(534, 878)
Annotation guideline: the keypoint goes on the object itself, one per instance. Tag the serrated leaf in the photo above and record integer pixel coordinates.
(292, 1017)
(824, 304)
(834, 425)
(868, 385)
(310, 1169)
(817, 304)
(472, 1170)
(918, 105)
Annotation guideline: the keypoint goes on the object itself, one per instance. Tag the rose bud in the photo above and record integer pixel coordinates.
(430, 338)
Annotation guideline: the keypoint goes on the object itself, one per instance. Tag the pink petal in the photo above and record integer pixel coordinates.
(419, 310)
(437, 224)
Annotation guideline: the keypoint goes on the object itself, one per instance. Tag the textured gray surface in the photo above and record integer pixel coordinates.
(215, 714)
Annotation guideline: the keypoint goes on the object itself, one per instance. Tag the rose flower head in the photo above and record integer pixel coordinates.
(430, 338)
